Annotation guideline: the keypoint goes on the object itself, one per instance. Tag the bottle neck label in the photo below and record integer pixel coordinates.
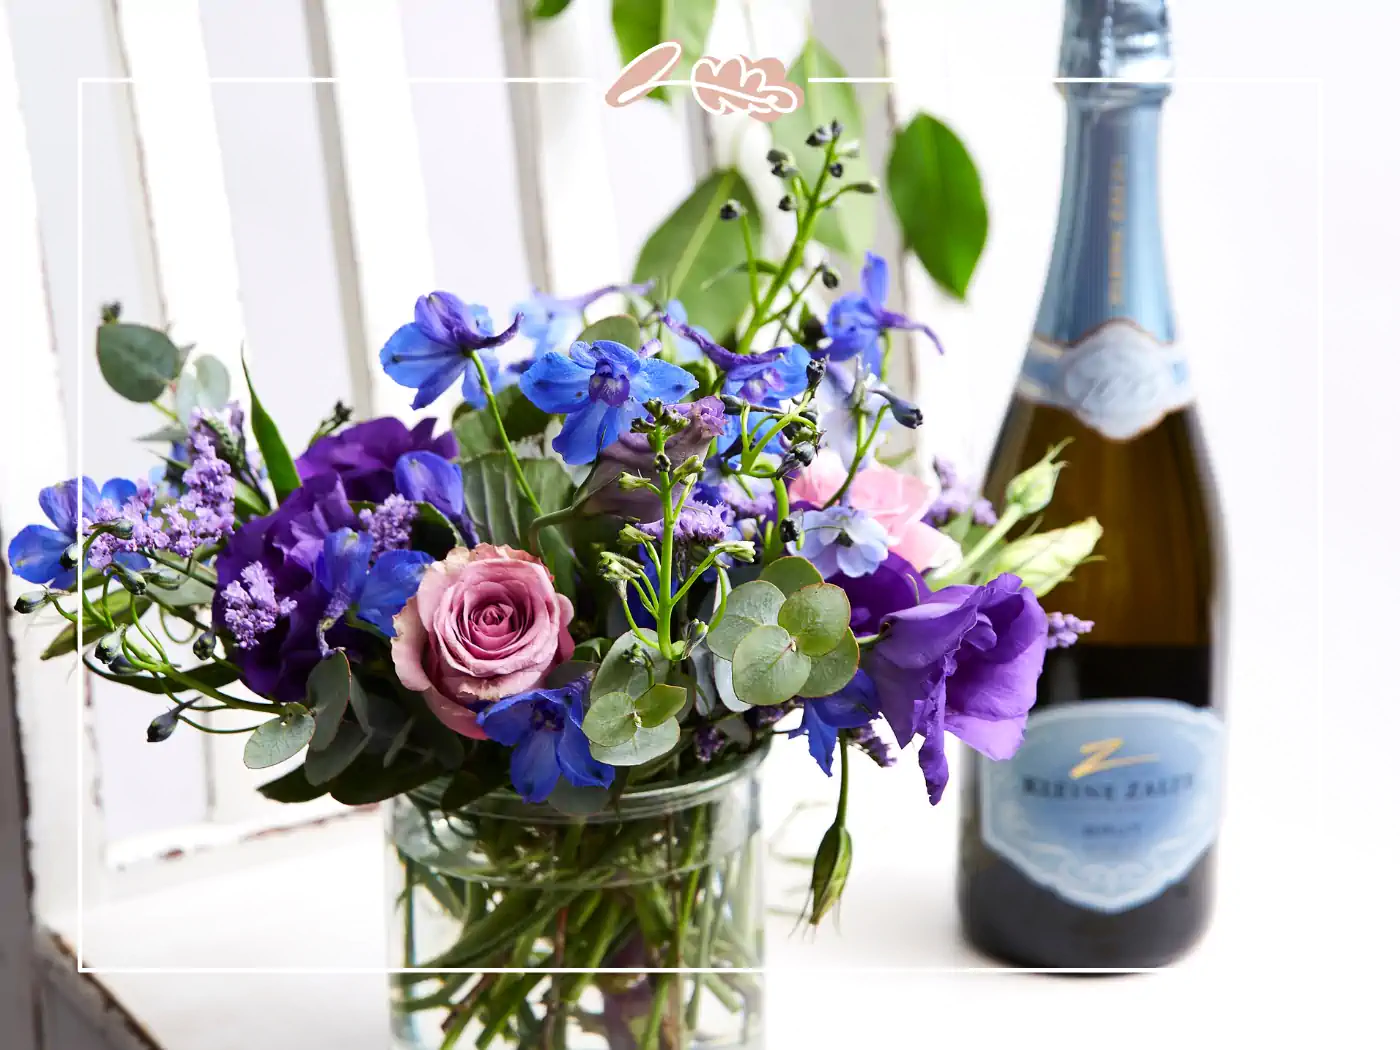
(1105, 337)
(1109, 802)
(1118, 380)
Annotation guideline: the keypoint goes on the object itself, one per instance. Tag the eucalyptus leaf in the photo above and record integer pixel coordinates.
(818, 616)
(833, 671)
(848, 226)
(768, 668)
(138, 362)
(377, 714)
(206, 387)
(791, 573)
(937, 197)
(659, 704)
(618, 673)
(640, 25)
(750, 605)
(325, 765)
(724, 685)
(620, 329)
(645, 745)
(328, 692)
(611, 719)
(489, 770)
(729, 632)
(171, 434)
(278, 739)
(694, 244)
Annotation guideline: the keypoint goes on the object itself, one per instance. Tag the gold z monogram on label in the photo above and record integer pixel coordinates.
(1100, 758)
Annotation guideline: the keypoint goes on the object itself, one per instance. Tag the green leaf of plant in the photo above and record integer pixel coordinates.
(210, 675)
(660, 703)
(366, 780)
(618, 674)
(1044, 560)
(611, 719)
(818, 616)
(323, 766)
(693, 245)
(790, 574)
(138, 362)
(278, 739)
(328, 693)
(548, 8)
(620, 329)
(206, 387)
(432, 532)
(476, 431)
(281, 468)
(645, 745)
(642, 24)
(834, 670)
(501, 513)
(292, 787)
(118, 604)
(489, 769)
(849, 226)
(763, 266)
(749, 606)
(768, 668)
(375, 711)
(937, 197)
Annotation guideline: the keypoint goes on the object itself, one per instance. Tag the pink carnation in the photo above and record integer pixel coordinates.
(485, 623)
(898, 501)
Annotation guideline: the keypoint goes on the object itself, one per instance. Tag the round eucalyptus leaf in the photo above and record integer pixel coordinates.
(768, 668)
(790, 574)
(817, 616)
(277, 740)
(137, 362)
(748, 606)
(206, 387)
(620, 329)
(611, 719)
(658, 704)
(646, 745)
(833, 671)
(731, 631)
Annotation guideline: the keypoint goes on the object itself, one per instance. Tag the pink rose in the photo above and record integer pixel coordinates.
(898, 501)
(485, 623)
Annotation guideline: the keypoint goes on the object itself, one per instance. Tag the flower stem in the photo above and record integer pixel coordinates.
(748, 252)
(501, 430)
(1010, 516)
(863, 443)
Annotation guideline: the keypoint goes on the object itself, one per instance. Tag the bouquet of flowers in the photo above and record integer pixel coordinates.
(560, 635)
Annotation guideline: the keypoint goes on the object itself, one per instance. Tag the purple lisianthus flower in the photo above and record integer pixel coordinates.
(364, 456)
(856, 320)
(36, 551)
(438, 345)
(894, 586)
(853, 706)
(600, 388)
(965, 661)
(544, 727)
(842, 540)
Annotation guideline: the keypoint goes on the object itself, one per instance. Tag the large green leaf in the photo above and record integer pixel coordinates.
(278, 739)
(211, 675)
(642, 24)
(281, 468)
(137, 362)
(321, 767)
(292, 787)
(937, 196)
(849, 227)
(693, 245)
(205, 387)
(548, 8)
(619, 328)
(501, 512)
(476, 430)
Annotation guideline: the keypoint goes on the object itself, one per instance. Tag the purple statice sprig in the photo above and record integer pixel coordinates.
(251, 605)
(957, 497)
(390, 524)
(1064, 629)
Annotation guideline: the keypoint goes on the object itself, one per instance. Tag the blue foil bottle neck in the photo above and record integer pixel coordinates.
(1119, 39)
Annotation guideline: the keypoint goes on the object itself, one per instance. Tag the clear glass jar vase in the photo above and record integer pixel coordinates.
(654, 903)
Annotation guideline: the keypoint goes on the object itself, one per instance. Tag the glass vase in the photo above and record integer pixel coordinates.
(652, 909)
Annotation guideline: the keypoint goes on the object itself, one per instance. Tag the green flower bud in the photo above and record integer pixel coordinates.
(830, 277)
(730, 210)
(829, 871)
(662, 463)
(631, 482)
(1044, 560)
(111, 312)
(837, 169)
(741, 550)
(786, 203)
(162, 726)
(166, 579)
(866, 186)
(1032, 489)
(30, 600)
(820, 136)
(132, 580)
(204, 645)
(121, 665)
(779, 156)
(632, 536)
(695, 632)
(69, 558)
(691, 465)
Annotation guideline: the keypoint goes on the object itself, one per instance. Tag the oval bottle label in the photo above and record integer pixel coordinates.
(1109, 802)
(1118, 379)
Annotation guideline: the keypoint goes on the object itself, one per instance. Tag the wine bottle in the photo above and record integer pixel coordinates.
(1093, 846)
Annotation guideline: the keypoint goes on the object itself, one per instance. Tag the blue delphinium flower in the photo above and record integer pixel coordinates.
(550, 321)
(376, 593)
(856, 320)
(425, 477)
(36, 551)
(600, 388)
(843, 540)
(544, 727)
(854, 706)
(687, 349)
(437, 347)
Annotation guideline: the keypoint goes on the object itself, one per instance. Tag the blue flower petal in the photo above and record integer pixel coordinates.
(557, 384)
(587, 431)
(411, 358)
(852, 326)
(391, 583)
(534, 765)
(437, 313)
(821, 737)
(662, 379)
(35, 552)
(425, 477)
(576, 760)
(119, 491)
(619, 355)
(508, 720)
(342, 565)
(60, 504)
(875, 279)
(472, 391)
(439, 381)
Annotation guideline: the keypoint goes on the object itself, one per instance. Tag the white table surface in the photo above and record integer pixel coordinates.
(892, 972)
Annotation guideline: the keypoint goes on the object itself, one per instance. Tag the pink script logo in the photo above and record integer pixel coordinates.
(737, 84)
